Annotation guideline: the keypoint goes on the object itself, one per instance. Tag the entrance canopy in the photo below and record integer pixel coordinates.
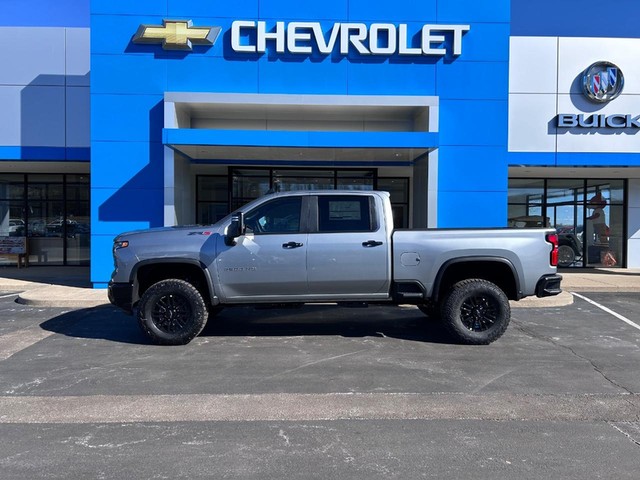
(227, 128)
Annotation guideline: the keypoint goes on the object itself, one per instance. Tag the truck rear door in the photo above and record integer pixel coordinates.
(348, 250)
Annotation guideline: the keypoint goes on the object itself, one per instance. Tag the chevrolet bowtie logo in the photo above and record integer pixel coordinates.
(176, 34)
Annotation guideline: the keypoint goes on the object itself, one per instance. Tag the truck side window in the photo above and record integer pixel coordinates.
(344, 214)
(278, 216)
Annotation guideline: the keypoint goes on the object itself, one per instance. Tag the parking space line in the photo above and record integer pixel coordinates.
(608, 310)
(10, 295)
(14, 342)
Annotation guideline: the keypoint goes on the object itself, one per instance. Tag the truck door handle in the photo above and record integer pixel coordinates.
(371, 243)
(291, 245)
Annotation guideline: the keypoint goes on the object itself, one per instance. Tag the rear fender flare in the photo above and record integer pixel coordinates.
(437, 284)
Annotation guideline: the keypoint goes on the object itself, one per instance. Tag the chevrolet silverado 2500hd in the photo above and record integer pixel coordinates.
(336, 246)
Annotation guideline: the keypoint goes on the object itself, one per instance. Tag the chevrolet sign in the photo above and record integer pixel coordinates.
(375, 39)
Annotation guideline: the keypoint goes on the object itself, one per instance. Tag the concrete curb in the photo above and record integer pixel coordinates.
(565, 298)
(63, 297)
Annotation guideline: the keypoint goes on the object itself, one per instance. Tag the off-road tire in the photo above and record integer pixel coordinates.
(172, 312)
(476, 312)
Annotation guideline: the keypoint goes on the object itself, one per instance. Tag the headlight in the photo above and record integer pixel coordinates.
(120, 244)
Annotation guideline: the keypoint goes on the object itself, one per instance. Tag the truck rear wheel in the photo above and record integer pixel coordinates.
(476, 312)
(172, 312)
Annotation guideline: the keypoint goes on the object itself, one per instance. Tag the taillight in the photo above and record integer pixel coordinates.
(552, 238)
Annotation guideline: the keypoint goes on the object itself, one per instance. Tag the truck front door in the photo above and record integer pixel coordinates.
(268, 263)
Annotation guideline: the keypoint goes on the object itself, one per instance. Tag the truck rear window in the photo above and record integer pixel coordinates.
(344, 214)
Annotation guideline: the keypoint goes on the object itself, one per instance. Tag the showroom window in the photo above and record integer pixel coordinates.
(217, 195)
(587, 213)
(52, 212)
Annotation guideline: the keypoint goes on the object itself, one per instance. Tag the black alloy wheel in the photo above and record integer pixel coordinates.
(479, 313)
(171, 313)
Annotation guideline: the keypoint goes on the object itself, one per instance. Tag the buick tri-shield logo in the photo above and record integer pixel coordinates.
(602, 82)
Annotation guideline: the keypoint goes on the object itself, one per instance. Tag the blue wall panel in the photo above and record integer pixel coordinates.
(128, 7)
(486, 42)
(101, 259)
(472, 169)
(303, 77)
(190, 74)
(133, 165)
(600, 159)
(397, 11)
(44, 13)
(133, 118)
(123, 209)
(471, 209)
(112, 34)
(473, 122)
(296, 10)
(128, 75)
(399, 79)
(468, 80)
(533, 159)
(575, 18)
(237, 9)
(482, 11)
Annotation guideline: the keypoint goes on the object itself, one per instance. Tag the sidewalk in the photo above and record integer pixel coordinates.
(70, 287)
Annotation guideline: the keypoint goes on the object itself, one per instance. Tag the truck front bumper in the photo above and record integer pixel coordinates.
(120, 295)
(549, 285)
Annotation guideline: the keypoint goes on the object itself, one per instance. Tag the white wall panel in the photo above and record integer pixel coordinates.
(32, 56)
(531, 125)
(78, 132)
(634, 193)
(42, 116)
(10, 115)
(533, 64)
(78, 56)
(633, 223)
(608, 140)
(576, 54)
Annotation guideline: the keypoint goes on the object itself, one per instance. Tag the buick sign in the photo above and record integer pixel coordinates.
(602, 82)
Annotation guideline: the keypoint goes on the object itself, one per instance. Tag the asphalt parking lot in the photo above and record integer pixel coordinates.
(321, 392)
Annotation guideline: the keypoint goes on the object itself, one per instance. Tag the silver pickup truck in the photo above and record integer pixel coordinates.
(328, 246)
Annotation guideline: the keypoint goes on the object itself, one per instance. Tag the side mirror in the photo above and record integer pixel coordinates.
(236, 228)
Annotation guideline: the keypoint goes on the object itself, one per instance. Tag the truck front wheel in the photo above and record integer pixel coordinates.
(172, 312)
(476, 312)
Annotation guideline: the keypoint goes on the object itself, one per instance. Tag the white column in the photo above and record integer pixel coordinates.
(633, 226)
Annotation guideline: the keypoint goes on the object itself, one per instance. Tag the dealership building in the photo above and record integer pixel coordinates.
(121, 115)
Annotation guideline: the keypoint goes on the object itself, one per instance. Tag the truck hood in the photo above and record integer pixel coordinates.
(159, 230)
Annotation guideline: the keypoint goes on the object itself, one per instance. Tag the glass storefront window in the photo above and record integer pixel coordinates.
(297, 180)
(214, 202)
(249, 185)
(587, 213)
(398, 188)
(52, 211)
(212, 198)
(525, 201)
